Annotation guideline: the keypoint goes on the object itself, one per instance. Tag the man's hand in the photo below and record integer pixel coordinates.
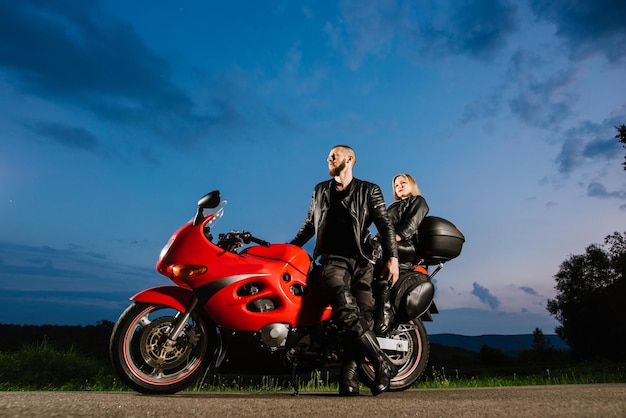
(391, 271)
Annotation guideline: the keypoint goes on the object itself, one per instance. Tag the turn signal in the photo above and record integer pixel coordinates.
(188, 271)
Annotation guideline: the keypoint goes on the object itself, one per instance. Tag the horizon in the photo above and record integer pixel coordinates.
(97, 323)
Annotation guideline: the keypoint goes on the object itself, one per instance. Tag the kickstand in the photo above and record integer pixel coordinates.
(294, 379)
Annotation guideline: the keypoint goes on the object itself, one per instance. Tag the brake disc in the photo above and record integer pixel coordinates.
(153, 349)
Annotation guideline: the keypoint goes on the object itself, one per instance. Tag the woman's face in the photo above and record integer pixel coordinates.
(402, 187)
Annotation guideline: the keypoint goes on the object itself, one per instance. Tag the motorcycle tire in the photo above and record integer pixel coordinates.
(140, 357)
(410, 364)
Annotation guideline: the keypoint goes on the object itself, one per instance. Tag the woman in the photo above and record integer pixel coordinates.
(406, 214)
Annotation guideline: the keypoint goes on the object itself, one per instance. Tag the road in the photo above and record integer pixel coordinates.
(603, 400)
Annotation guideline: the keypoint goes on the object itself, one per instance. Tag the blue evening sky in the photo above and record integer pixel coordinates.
(116, 116)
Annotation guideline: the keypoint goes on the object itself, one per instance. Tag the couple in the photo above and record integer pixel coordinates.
(339, 215)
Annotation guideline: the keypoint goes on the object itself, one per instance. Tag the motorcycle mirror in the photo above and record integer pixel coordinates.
(209, 200)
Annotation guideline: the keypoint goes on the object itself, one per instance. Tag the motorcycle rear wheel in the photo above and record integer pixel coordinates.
(410, 364)
(141, 358)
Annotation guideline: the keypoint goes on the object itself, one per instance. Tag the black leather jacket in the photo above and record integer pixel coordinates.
(365, 203)
(406, 215)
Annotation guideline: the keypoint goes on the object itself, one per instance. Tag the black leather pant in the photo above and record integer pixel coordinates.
(348, 282)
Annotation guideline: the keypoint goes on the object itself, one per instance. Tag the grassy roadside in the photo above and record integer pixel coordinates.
(44, 367)
(564, 374)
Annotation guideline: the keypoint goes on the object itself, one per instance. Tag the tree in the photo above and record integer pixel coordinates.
(621, 135)
(542, 352)
(540, 342)
(590, 301)
(492, 356)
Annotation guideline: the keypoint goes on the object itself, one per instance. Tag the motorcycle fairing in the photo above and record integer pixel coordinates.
(279, 271)
(293, 301)
(173, 296)
(293, 255)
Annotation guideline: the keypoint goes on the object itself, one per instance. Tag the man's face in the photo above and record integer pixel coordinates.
(336, 161)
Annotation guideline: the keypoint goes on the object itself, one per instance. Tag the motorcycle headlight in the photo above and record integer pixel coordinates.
(188, 271)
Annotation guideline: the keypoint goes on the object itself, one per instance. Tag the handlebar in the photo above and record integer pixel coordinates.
(248, 238)
(233, 240)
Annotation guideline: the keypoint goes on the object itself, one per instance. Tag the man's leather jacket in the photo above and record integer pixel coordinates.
(365, 203)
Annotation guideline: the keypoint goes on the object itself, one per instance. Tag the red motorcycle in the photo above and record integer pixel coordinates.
(251, 311)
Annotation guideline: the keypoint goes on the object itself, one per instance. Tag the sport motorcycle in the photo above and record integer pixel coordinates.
(254, 309)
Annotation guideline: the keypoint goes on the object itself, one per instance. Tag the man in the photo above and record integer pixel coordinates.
(340, 214)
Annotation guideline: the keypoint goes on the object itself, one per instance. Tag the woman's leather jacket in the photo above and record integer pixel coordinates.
(406, 215)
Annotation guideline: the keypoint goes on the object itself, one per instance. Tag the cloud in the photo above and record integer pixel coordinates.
(477, 29)
(600, 148)
(485, 107)
(44, 268)
(588, 142)
(570, 156)
(375, 28)
(366, 28)
(73, 49)
(542, 97)
(596, 189)
(73, 285)
(71, 137)
(536, 88)
(74, 53)
(587, 26)
(485, 296)
(529, 290)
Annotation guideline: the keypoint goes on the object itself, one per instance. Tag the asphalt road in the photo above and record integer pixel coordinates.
(605, 400)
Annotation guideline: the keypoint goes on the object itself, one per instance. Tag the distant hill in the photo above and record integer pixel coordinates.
(505, 343)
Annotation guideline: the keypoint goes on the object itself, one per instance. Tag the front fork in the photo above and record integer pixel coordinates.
(180, 323)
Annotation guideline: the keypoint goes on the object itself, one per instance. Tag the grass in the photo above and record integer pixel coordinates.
(44, 367)
(317, 381)
(579, 373)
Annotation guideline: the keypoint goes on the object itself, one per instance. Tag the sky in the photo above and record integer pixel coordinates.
(117, 116)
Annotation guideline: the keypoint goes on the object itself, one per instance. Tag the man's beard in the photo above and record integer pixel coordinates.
(335, 171)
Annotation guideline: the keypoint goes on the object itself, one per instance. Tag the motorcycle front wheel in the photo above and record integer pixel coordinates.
(411, 363)
(141, 356)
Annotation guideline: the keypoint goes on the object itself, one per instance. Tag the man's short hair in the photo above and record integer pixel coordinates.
(350, 150)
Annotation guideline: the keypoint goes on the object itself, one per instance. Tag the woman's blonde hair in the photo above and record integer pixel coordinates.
(415, 190)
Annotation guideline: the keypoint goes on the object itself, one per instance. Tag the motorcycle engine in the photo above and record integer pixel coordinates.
(274, 335)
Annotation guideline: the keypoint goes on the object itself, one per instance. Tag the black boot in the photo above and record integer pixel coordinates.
(384, 312)
(383, 367)
(418, 300)
(349, 384)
